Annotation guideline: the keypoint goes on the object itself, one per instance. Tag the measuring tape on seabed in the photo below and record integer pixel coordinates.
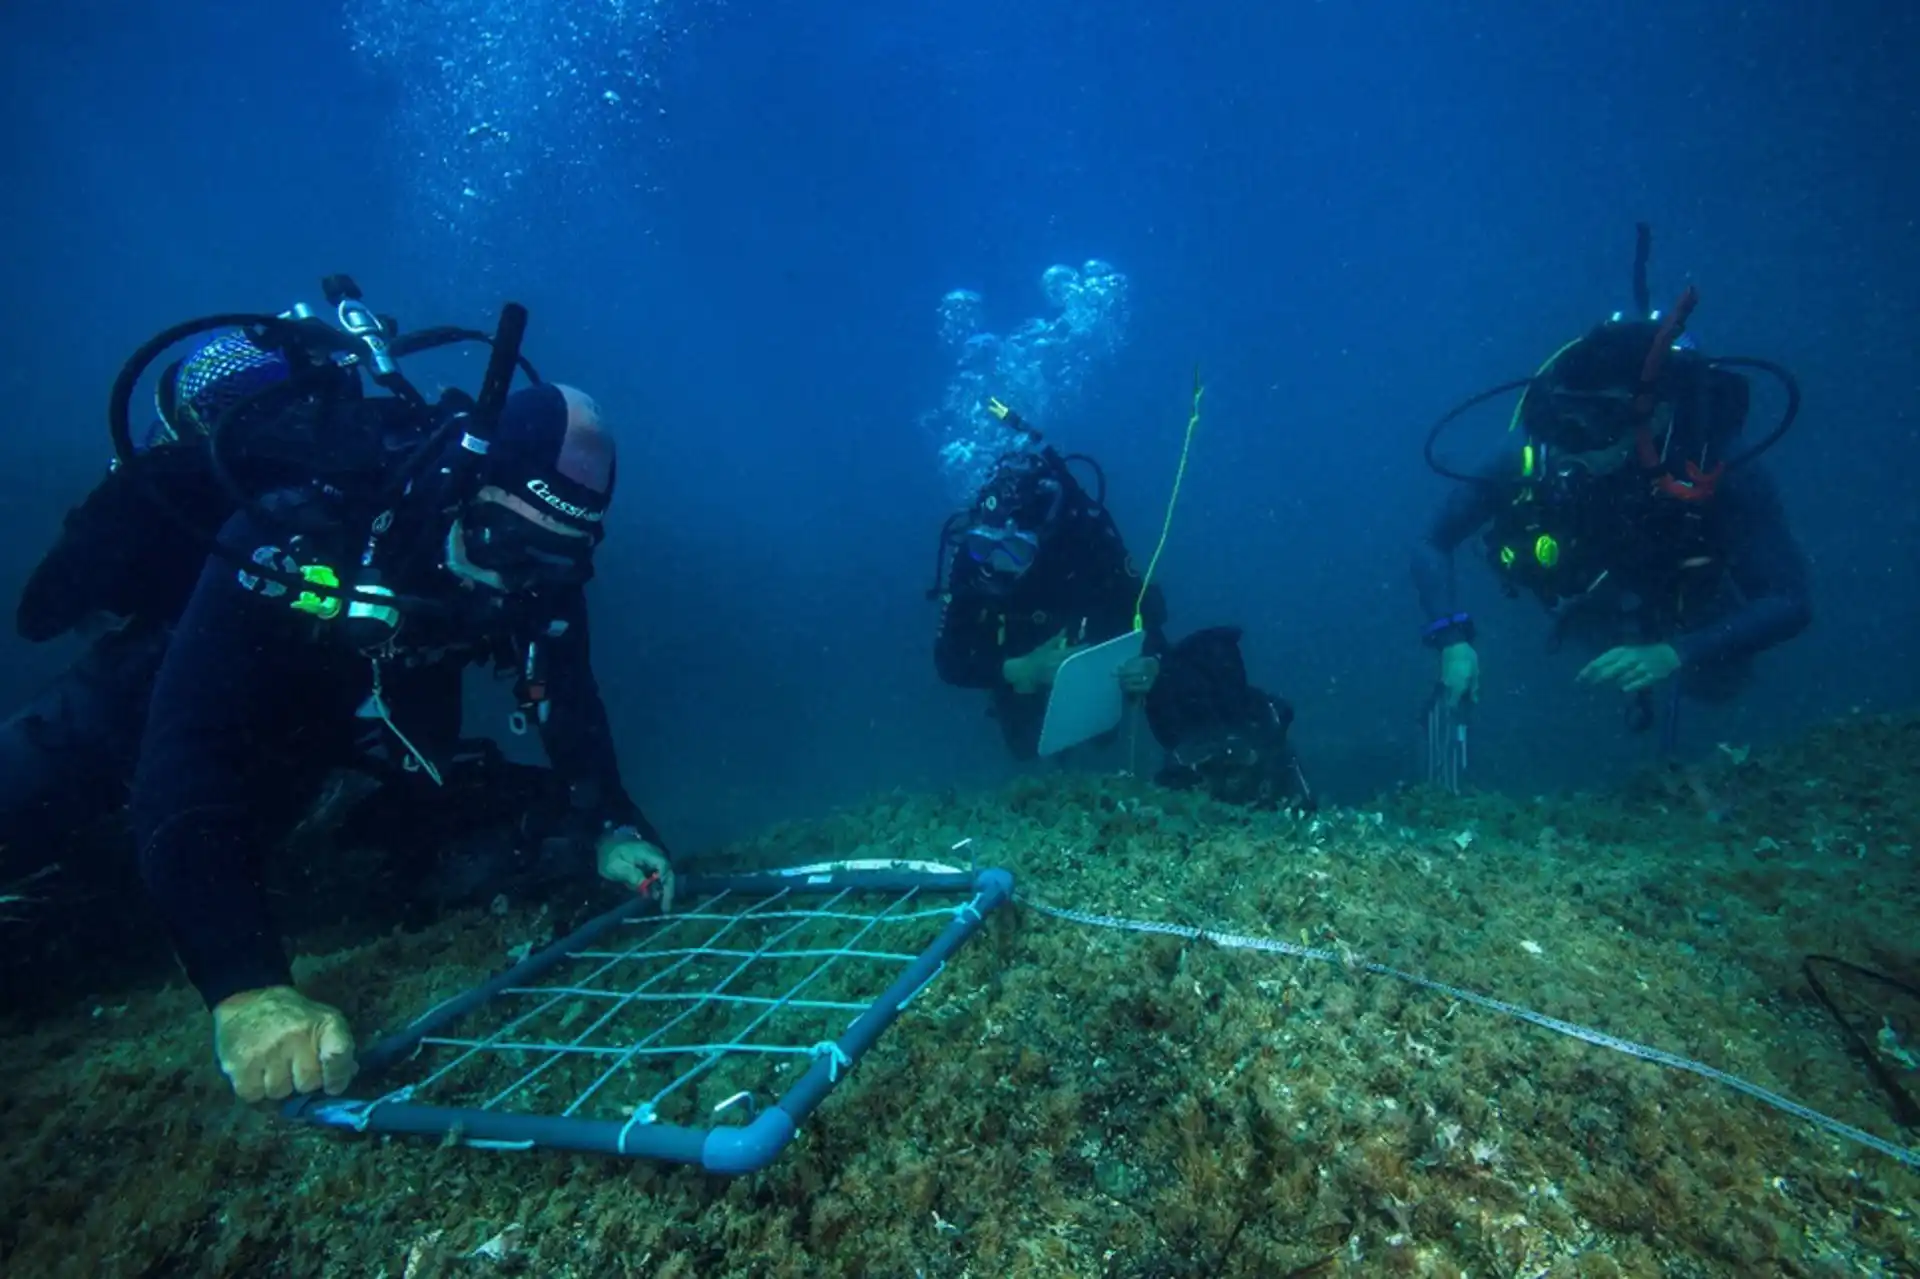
(868, 863)
(1238, 941)
(1273, 946)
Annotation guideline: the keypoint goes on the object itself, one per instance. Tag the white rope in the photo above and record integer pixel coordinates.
(1239, 941)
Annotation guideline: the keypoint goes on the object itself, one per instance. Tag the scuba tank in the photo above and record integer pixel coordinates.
(323, 466)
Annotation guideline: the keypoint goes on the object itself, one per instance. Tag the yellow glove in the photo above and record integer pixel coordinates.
(625, 858)
(1632, 666)
(1460, 673)
(1138, 674)
(274, 1042)
(1035, 671)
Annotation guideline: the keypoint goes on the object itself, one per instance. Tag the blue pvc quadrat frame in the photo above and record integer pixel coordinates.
(629, 961)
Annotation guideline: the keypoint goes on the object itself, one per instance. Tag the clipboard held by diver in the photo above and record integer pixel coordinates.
(1087, 700)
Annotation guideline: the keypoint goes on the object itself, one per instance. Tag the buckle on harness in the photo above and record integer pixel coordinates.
(533, 703)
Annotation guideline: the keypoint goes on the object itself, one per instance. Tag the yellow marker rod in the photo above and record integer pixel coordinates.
(1173, 500)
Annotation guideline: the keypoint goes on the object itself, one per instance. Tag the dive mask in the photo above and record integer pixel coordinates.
(1006, 552)
(1585, 421)
(523, 554)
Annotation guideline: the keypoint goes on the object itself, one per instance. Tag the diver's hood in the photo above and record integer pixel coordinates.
(1610, 357)
(1026, 490)
(1641, 378)
(1708, 404)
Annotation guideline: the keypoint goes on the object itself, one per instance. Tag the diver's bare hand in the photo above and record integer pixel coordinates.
(274, 1042)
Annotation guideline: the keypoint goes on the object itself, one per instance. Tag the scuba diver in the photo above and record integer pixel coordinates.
(119, 575)
(368, 548)
(1631, 512)
(1034, 570)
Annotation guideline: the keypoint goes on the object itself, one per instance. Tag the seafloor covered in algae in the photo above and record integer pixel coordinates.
(1073, 1101)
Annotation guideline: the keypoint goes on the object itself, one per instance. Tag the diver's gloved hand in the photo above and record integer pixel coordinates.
(1460, 673)
(625, 858)
(1035, 670)
(1632, 666)
(1138, 674)
(274, 1042)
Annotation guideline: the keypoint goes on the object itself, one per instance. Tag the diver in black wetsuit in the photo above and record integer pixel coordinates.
(375, 546)
(1627, 507)
(1036, 570)
(122, 571)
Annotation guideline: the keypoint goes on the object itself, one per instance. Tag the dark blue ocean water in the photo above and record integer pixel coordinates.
(735, 223)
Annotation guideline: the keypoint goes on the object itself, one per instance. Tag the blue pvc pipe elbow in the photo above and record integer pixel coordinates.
(731, 1151)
